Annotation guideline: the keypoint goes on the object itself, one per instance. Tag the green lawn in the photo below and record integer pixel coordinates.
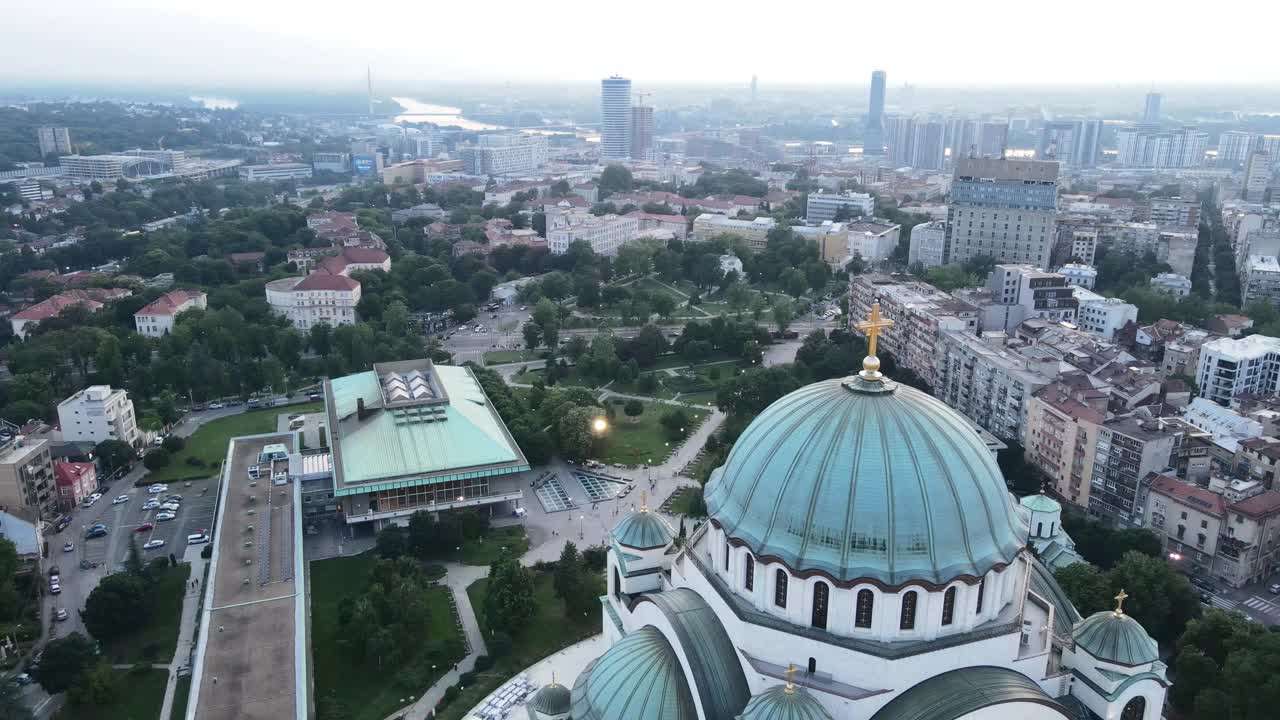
(643, 442)
(209, 443)
(181, 693)
(655, 286)
(157, 640)
(139, 696)
(486, 550)
(370, 694)
(499, 357)
(548, 631)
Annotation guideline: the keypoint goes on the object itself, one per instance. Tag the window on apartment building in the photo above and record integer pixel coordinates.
(1204, 524)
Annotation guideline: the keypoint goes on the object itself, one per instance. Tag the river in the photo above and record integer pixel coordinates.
(416, 111)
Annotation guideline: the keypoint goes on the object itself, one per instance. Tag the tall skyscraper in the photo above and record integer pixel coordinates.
(1234, 147)
(1087, 147)
(993, 138)
(961, 137)
(873, 138)
(1005, 209)
(615, 118)
(1140, 147)
(898, 133)
(927, 148)
(1151, 113)
(641, 132)
(1257, 175)
(753, 89)
(1070, 142)
(54, 140)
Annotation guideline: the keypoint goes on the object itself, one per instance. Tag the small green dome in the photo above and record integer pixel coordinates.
(551, 699)
(777, 703)
(1116, 638)
(867, 480)
(639, 678)
(642, 530)
(1041, 503)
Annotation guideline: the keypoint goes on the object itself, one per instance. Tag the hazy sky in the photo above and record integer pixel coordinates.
(326, 44)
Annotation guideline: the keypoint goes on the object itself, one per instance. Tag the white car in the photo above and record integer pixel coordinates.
(153, 544)
(60, 614)
(151, 504)
(216, 406)
(157, 489)
(69, 547)
(170, 507)
(198, 538)
(55, 589)
(120, 499)
(162, 516)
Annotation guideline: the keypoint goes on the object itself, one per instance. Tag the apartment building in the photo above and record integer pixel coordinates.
(824, 206)
(1062, 430)
(1128, 450)
(873, 240)
(1030, 293)
(928, 244)
(1103, 315)
(1230, 367)
(99, 413)
(505, 154)
(1174, 212)
(919, 311)
(1173, 284)
(1080, 275)
(315, 299)
(987, 383)
(1137, 146)
(1005, 209)
(754, 232)
(1261, 281)
(1188, 520)
(26, 475)
(157, 317)
(605, 233)
(76, 481)
(1247, 551)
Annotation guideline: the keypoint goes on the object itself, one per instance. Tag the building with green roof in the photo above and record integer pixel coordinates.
(413, 435)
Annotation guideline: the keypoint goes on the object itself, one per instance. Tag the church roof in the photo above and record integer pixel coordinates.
(867, 480)
(1041, 503)
(1065, 615)
(957, 693)
(639, 678)
(781, 703)
(1117, 638)
(551, 699)
(642, 530)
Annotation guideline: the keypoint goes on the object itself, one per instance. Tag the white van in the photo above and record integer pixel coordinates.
(198, 538)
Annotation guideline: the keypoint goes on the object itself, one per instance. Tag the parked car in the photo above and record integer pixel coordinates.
(150, 505)
(95, 532)
(157, 489)
(162, 516)
(23, 679)
(55, 589)
(170, 507)
(314, 397)
(175, 497)
(69, 547)
(120, 499)
(1274, 589)
(216, 406)
(144, 527)
(60, 614)
(153, 544)
(198, 538)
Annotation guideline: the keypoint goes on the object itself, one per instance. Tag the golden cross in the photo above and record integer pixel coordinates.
(872, 327)
(791, 670)
(1120, 601)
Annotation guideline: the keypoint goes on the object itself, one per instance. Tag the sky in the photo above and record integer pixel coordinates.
(325, 44)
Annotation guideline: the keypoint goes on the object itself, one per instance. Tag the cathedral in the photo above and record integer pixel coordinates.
(862, 560)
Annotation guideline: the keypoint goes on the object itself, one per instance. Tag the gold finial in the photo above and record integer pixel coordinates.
(644, 501)
(872, 327)
(1120, 602)
(790, 689)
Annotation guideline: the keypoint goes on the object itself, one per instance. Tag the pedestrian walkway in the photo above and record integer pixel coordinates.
(187, 627)
(1262, 605)
(1223, 603)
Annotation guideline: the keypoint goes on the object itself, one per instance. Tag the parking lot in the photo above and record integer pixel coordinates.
(110, 551)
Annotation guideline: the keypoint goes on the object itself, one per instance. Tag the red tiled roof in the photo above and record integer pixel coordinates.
(325, 281)
(54, 305)
(170, 303)
(1265, 503)
(658, 217)
(1189, 495)
(66, 473)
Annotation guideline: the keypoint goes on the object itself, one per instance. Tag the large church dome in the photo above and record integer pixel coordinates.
(866, 479)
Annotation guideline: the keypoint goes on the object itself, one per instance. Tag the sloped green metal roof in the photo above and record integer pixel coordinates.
(1116, 638)
(777, 703)
(551, 699)
(1156, 675)
(714, 666)
(642, 530)
(385, 450)
(1044, 584)
(639, 678)
(956, 693)
(867, 480)
(1041, 503)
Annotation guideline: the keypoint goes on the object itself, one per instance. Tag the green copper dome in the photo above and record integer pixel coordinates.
(642, 530)
(777, 703)
(551, 699)
(1041, 503)
(867, 480)
(639, 678)
(1115, 638)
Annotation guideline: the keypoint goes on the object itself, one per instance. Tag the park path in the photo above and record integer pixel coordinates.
(186, 627)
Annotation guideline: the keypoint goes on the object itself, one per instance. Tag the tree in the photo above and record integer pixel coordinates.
(794, 282)
(508, 604)
(167, 408)
(556, 285)
(1087, 587)
(532, 334)
(615, 178)
(676, 423)
(118, 605)
(133, 561)
(114, 454)
(97, 686)
(1161, 599)
(10, 599)
(575, 432)
(65, 662)
(156, 459)
(663, 304)
(391, 542)
(633, 409)
(782, 315)
(1196, 672)
(567, 569)
(173, 443)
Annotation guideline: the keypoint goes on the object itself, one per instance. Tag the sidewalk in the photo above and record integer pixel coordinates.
(186, 628)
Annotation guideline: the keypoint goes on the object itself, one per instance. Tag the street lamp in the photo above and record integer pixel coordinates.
(582, 527)
(599, 425)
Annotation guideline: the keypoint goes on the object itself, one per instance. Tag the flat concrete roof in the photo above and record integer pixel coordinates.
(251, 653)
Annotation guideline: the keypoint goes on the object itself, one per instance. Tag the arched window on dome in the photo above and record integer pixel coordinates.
(949, 605)
(726, 554)
(1039, 529)
(749, 576)
(908, 619)
(617, 584)
(821, 597)
(1135, 709)
(780, 588)
(864, 608)
(982, 590)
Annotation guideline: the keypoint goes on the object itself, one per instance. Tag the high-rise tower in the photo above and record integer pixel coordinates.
(753, 89)
(873, 138)
(1151, 112)
(615, 118)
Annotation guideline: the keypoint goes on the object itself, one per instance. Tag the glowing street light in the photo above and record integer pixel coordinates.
(599, 425)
